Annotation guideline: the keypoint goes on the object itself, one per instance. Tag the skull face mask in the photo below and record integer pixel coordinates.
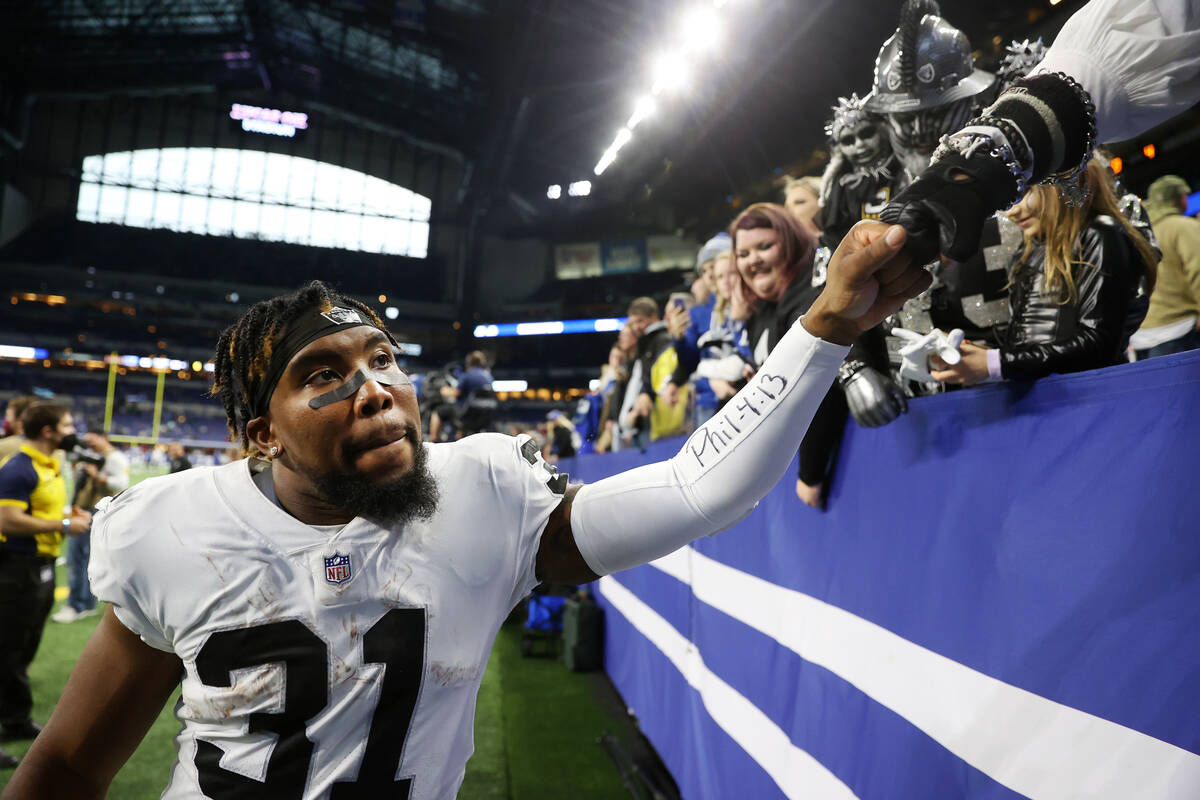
(863, 143)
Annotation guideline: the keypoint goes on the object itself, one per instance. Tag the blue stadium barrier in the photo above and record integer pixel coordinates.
(1002, 600)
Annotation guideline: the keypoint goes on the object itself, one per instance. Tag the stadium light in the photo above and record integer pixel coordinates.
(1149, 151)
(509, 386)
(605, 162)
(391, 312)
(554, 191)
(549, 327)
(644, 107)
(580, 189)
(670, 73)
(16, 351)
(700, 30)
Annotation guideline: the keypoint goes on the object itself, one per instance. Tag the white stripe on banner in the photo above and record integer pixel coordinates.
(1032, 745)
(796, 772)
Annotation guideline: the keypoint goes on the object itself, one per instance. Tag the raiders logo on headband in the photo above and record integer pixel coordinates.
(341, 316)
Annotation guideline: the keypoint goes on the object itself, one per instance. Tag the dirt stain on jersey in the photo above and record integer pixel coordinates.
(393, 587)
(216, 569)
(244, 697)
(452, 674)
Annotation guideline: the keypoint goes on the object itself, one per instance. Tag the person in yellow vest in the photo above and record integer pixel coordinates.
(33, 521)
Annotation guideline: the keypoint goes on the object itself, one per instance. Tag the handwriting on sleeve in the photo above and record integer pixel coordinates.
(739, 414)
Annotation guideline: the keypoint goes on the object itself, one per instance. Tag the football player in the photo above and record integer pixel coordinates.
(330, 616)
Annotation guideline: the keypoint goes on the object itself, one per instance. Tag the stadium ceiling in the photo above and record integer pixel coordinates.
(526, 93)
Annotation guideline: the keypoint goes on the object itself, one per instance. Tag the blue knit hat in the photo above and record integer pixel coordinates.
(721, 243)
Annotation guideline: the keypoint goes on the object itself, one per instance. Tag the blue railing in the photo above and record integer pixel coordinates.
(1002, 600)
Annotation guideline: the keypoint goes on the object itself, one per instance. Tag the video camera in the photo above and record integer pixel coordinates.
(78, 451)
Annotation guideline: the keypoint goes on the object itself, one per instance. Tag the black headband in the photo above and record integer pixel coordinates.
(307, 328)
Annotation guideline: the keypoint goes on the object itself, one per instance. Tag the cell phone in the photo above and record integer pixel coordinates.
(681, 300)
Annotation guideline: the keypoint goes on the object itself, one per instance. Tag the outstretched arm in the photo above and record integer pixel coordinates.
(114, 694)
(735, 458)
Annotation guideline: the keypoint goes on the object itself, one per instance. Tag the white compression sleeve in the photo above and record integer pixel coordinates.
(721, 472)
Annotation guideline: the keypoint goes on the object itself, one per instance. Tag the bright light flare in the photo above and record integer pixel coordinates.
(701, 31)
(554, 191)
(671, 73)
(605, 162)
(645, 107)
(580, 189)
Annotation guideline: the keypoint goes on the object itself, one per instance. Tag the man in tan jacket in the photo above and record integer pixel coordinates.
(1172, 324)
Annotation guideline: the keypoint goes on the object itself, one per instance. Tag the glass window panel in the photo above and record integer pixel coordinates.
(225, 172)
(422, 207)
(116, 168)
(276, 174)
(250, 175)
(112, 204)
(272, 223)
(89, 199)
(419, 244)
(193, 214)
(349, 231)
(220, 216)
(399, 203)
(329, 178)
(350, 194)
(397, 237)
(245, 219)
(171, 164)
(167, 207)
(143, 170)
(306, 202)
(301, 176)
(374, 234)
(324, 228)
(197, 175)
(298, 225)
(378, 197)
(93, 168)
(139, 208)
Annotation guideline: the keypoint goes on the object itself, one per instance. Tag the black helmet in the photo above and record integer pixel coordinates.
(926, 63)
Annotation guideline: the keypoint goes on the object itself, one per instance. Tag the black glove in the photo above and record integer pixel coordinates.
(944, 209)
(874, 399)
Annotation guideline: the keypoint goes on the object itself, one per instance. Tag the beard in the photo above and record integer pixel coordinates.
(392, 503)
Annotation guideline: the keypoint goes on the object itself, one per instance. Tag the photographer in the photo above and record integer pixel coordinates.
(103, 471)
(32, 524)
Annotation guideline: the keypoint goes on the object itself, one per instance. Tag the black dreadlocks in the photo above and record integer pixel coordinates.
(244, 349)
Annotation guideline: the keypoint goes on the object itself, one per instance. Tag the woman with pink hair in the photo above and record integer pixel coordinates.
(774, 258)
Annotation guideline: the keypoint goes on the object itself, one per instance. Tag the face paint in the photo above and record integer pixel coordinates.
(393, 377)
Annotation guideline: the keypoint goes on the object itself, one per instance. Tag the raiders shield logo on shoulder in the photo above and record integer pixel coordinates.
(337, 568)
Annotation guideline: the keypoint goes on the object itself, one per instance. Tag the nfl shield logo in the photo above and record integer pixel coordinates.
(337, 568)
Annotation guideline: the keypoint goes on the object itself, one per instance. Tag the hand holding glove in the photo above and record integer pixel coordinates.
(919, 347)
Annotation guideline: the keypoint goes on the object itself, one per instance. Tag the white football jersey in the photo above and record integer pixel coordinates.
(325, 666)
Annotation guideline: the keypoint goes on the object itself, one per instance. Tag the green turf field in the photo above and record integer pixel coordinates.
(536, 725)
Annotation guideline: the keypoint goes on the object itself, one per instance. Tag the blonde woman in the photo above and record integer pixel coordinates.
(802, 199)
(1071, 290)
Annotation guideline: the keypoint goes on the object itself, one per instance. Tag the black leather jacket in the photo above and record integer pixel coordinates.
(1091, 332)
